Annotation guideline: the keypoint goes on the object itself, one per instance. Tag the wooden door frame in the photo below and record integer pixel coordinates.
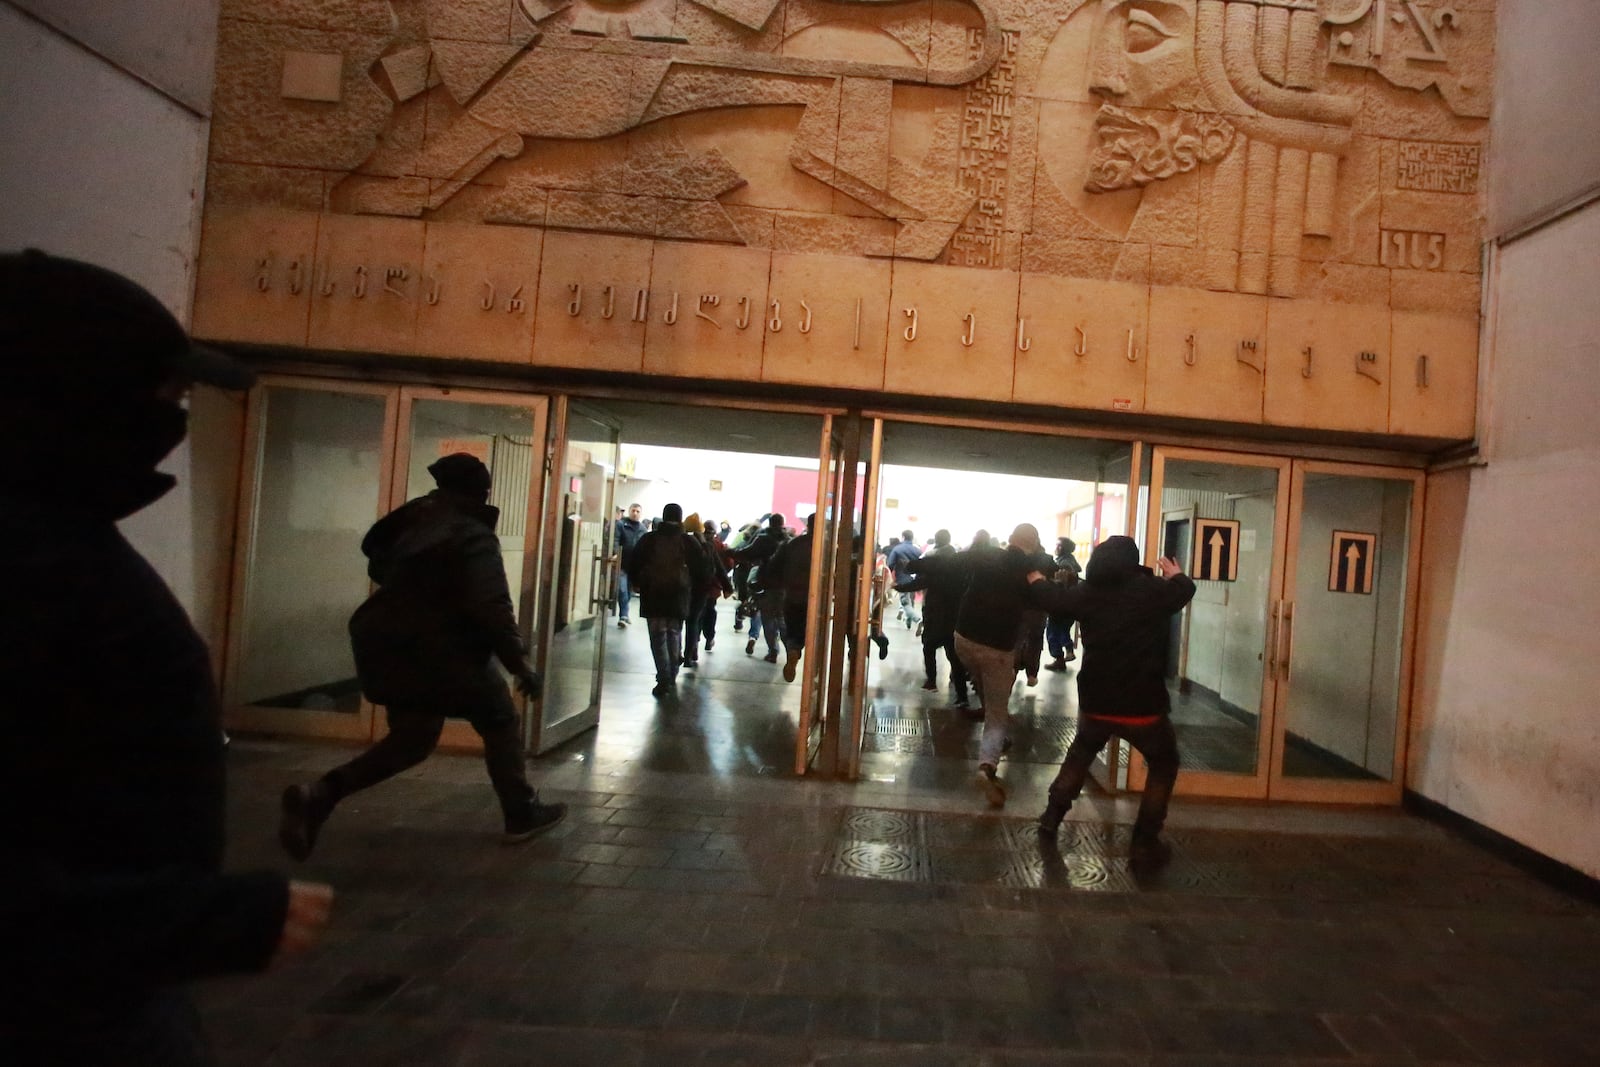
(1327, 790)
(459, 735)
(1216, 783)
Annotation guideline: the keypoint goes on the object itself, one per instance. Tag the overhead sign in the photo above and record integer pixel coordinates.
(1353, 560)
(1216, 550)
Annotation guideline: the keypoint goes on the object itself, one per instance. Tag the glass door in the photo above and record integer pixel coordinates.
(1343, 662)
(579, 567)
(324, 461)
(1225, 518)
(507, 433)
(1290, 670)
(318, 471)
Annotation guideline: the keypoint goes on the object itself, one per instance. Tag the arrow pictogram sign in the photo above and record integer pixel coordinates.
(1216, 550)
(1354, 557)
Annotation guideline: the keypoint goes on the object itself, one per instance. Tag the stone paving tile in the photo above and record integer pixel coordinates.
(692, 923)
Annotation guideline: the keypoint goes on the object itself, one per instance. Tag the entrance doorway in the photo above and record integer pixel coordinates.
(325, 460)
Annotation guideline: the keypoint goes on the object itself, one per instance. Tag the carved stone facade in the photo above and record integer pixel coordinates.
(1287, 172)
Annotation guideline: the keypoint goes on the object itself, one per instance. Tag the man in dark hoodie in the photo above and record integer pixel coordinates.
(768, 597)
(1122, 610)
(111, 764)
(626, 532)
(788, 572)
(667, 566)
(425, 647)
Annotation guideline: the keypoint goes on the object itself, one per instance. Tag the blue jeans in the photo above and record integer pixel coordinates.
(1059, 635)
(624, 594)
(666, 646)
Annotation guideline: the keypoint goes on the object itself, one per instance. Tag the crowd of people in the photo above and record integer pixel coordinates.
(116, 894)
(991, 608)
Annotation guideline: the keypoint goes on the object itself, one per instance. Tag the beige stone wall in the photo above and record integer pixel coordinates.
(1261, 211)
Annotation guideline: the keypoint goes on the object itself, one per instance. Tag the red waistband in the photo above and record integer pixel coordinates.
(1129, 720)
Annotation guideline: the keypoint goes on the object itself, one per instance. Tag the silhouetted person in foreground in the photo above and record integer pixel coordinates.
(1122, 610)
(425, 647)
(111, 764)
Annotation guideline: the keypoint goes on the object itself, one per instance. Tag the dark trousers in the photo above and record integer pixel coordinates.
(414, 733)
(708, 619)
(794, 624)
(932, 643)
(1030, 646)
(691, 629)
(1157, 743)
(1059, 636)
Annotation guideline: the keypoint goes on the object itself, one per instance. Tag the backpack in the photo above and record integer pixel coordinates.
(666, 572)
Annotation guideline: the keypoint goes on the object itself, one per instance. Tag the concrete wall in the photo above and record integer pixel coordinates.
(1504, 730)
(103, 133)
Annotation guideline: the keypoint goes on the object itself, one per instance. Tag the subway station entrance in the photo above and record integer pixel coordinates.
(1289, 672)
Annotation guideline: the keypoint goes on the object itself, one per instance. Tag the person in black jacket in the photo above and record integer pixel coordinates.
(787, 577)
(769, 599)
(667, 567)
(1122, 610)
(942, 588)
(1058, 632)
(425, 647)
(988, 625)
(111, 764)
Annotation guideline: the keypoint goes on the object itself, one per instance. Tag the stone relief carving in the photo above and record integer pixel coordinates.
(1283, 147)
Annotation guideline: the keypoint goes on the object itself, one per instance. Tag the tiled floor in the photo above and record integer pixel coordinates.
(712, 914)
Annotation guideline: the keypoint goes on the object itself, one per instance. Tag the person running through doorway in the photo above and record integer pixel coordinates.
(1122, 611)
(668, 565)
(988, 627)
(1058, 632)
(425, 644)
(789, 571)
(626, 533)
(942, 582)
(716, 586)
(768, 599)
(899, 558)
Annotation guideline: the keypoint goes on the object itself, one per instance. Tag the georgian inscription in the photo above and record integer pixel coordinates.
(982, 166)
(1435, 167)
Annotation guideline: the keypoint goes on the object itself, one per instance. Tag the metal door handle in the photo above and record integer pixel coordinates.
(1276, 620)
(598, 587)
(1288, 622)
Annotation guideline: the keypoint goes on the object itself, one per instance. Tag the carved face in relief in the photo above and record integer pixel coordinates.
(1152, 122)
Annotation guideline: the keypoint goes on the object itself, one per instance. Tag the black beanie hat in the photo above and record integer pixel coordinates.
(671, 513)
(461, 472)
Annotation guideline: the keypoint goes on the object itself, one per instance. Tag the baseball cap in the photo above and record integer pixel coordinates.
(73, 329)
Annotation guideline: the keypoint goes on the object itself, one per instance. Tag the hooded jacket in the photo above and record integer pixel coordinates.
(1122, 611)
(111, 768)
(442, 613)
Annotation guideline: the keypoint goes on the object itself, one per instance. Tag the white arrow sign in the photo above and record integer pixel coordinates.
(1217, 544)
(1352, 560)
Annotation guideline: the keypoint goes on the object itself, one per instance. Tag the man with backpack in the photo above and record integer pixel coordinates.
(667, 566)
(425, 647)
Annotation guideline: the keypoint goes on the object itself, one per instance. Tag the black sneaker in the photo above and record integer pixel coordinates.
(883, 646)
(931, 686)
(662, 689)
(1055, 810)
(304, 811)
(1148, 851)
(535, 821)
(771, 657)
(711, 642)
(750, 647)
